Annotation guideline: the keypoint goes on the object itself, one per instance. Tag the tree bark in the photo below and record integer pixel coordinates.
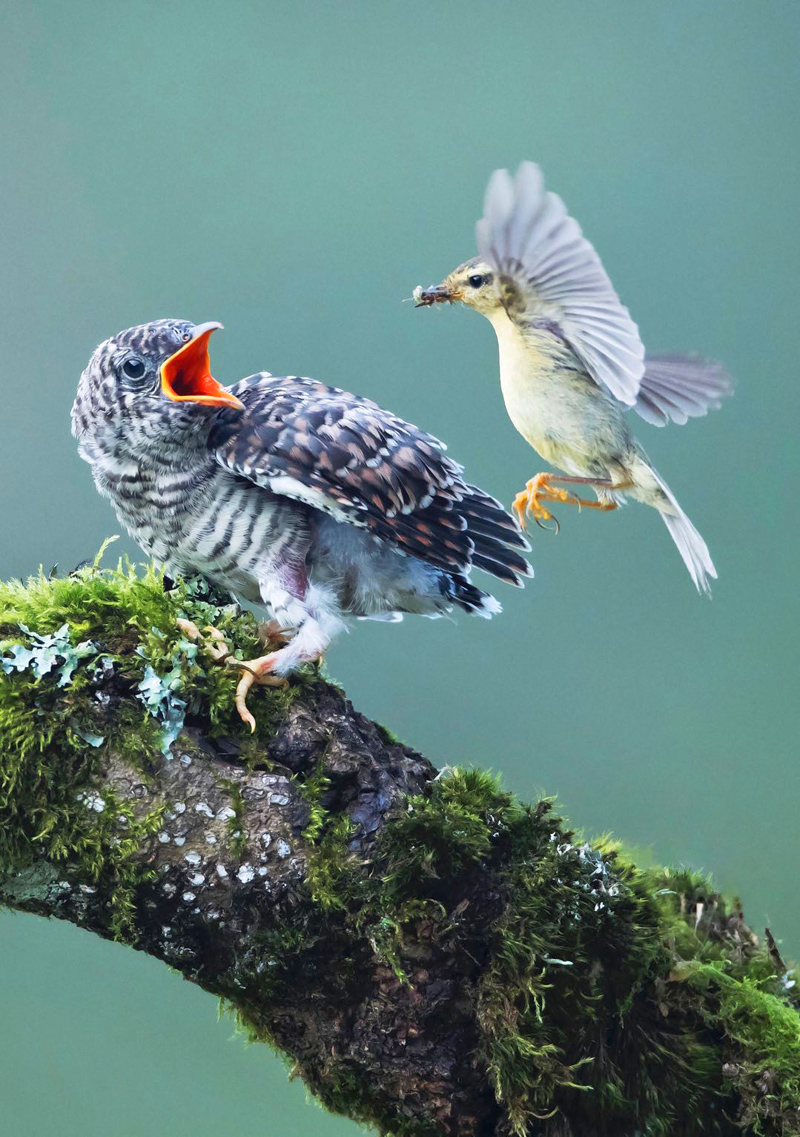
(435, 958)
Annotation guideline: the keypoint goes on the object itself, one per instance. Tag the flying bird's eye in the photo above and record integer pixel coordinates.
(133, 368)
(186, 337)
(476, 281)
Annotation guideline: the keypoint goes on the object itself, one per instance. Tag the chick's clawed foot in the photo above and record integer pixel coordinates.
(254, 671)
(272, 634)
(210, 638)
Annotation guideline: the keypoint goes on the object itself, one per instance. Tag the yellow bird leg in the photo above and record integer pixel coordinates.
(539, 489)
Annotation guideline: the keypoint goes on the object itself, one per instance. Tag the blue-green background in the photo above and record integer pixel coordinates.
(293, 170)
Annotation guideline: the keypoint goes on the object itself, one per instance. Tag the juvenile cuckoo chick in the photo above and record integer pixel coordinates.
(572, 362)
(310, 501)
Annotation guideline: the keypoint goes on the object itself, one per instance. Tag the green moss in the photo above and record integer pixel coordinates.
(333, 876)
(617, 994)
(312, 790)
(235, 824)
(761, 1035)
(75, 656)
(127, 610)
(631, 999)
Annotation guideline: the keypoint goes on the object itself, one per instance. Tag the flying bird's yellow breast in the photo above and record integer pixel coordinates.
(529, 382)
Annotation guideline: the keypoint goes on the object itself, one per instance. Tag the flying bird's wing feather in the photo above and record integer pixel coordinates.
(551, 272)
(349, 458)
(680, 387)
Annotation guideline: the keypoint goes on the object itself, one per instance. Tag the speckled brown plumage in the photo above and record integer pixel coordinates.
(369, 466)
(311, 501)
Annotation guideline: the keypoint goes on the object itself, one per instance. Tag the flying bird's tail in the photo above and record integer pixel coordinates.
(691, 545)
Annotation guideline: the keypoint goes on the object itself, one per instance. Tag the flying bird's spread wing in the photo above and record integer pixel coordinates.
(680, 387)
(553, 273)
(349, 458)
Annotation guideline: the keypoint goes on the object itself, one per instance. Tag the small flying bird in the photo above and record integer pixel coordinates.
(312, 502)
(572, 362)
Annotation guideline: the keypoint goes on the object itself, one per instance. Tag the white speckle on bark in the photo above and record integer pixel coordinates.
(246, 873)
(282, 848)
(262, 871)
(180, 841)
(222, 872)
(87, 888)
(278, 799)
(95, 802)
(211, 839)
(180, 807)
(185, 760)
(193, 858)
(189, 897)
(166, 931)
(226, 813)
(169, 888)
(204, 808)
(164, 837)
(197, 879)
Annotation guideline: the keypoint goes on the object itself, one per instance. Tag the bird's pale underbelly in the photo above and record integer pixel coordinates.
(547, 412)
(206, 522)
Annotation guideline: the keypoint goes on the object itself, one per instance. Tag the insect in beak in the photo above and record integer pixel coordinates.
(437, 294)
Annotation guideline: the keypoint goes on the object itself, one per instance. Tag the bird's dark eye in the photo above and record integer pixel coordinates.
(186, 337)
(133, 368)
(476, 281)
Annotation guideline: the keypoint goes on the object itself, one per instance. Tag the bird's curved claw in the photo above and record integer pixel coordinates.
(543, 525)
(528, 502)
(210, 638)
(256, 672)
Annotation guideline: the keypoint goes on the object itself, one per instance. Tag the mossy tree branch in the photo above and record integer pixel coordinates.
(436, 958)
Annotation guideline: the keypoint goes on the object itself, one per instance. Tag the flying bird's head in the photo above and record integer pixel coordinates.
(149, 386)
(474, 283)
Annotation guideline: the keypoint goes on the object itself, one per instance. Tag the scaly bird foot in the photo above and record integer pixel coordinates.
(254, 671)
(210, 638)
(529, 500)
(272, 634)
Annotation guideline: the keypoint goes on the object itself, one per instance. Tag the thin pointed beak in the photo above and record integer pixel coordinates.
(438, 294)
(186, 376)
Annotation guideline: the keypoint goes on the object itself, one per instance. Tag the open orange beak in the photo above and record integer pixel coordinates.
(186, 376)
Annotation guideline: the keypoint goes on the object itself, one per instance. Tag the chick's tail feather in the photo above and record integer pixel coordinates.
(691, 545)
(473, 600)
